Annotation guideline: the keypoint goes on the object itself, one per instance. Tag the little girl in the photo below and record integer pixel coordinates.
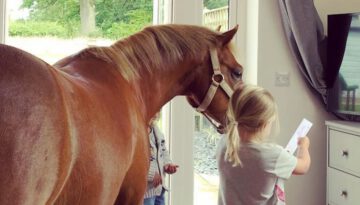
(160, 163)
(252, 171)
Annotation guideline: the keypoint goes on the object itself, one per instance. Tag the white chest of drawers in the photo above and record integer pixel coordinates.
(343, 163)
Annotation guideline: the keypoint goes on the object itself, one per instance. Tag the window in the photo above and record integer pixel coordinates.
(52, 30)
(196, 182)
(206, 177)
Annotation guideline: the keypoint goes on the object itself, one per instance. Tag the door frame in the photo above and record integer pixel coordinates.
(181, 113)
(3, 21)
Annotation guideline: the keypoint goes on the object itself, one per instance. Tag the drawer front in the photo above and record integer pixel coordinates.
(343, 189)
(344, 152)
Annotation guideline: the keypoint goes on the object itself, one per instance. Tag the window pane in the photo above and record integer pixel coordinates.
(206, 177)
(216, 13)
(52, 30)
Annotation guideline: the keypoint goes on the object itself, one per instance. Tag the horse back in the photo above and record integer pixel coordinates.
(35, 149)
(69, 134)
(110, 128)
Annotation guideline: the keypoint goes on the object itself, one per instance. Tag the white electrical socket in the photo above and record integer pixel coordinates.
(282, 79)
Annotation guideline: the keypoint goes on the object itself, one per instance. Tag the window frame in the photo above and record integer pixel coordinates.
(182, 122)
(3, 21)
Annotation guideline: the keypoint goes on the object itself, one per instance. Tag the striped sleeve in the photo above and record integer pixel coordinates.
(152, 170)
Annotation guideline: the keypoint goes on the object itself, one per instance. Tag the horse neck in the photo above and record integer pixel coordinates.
(161, 86)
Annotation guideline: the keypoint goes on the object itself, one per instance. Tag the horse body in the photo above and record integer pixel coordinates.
(105, 142)
(61, 122)
(76, 132)
(24, 109)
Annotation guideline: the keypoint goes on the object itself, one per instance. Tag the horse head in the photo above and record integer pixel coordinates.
(170, 60)
(210, 95)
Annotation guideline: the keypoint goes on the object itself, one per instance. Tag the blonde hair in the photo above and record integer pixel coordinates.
(251, 109)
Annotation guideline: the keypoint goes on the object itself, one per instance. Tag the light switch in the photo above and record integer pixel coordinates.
(282, 79)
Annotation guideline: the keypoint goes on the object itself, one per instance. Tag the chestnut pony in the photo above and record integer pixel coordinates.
(75, 132)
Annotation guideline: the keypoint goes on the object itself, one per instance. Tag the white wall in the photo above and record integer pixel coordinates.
(295, 102)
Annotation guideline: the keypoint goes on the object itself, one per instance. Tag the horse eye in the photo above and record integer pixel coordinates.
(236, 74)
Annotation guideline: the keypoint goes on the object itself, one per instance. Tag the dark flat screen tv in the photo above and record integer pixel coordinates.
(343, 55)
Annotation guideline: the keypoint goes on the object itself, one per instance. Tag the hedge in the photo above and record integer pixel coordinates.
(38, 28)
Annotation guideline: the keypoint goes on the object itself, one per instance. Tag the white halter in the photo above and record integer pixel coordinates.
(217, 80)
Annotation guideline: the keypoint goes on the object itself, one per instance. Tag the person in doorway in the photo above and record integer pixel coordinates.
(160, 163)
(252, 170)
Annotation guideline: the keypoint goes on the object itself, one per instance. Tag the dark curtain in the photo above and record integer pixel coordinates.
(305, 35)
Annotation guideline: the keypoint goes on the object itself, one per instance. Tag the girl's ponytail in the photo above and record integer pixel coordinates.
(233, 145)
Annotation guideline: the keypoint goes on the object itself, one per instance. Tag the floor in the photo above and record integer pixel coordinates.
(206, 189)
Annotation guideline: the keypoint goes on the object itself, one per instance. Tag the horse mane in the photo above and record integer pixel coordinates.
(154, 47)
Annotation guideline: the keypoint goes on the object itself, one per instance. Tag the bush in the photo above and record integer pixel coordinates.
(120, 30)
(137, 21)
(133, 21)
(38, 28)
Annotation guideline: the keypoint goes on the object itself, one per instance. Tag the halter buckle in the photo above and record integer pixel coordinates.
(217, 78)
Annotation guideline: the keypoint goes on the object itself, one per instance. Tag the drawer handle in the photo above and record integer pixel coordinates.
(344, 194)
(345, 153)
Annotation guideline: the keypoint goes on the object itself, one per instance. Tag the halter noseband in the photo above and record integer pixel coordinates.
(217, 80)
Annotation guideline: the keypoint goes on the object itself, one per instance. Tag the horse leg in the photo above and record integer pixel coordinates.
(134, 185)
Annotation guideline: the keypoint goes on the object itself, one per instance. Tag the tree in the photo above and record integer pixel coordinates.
(64, 12)
(213, 4)
(119, 11)
(87, 17)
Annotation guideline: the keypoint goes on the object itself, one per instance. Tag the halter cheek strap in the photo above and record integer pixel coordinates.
(217, 80)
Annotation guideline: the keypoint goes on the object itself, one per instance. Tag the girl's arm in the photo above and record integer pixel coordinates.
(303, 157)
(161, 139)
(153, 168)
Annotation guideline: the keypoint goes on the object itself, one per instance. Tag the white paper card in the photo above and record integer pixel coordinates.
(301, 131)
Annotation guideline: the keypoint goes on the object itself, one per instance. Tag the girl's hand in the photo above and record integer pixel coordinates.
(170, 168)
(303, 156)
(157, 180)
(304, 142)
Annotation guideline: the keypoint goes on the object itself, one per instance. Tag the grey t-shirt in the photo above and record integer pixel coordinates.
(260, 179)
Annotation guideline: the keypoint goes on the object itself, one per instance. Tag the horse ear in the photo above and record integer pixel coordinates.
(218, 28)
(226, 37)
